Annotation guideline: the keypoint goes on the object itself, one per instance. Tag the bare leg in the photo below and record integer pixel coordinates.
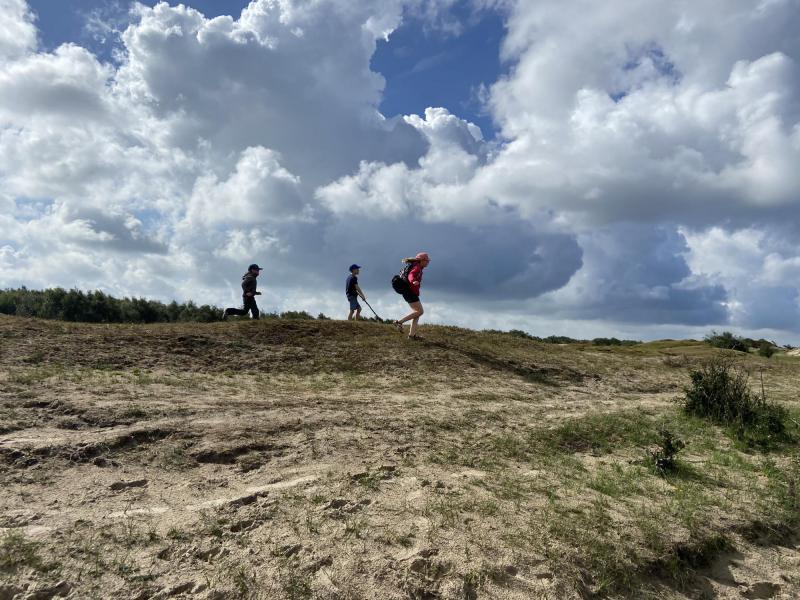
(417, 312)
(413, 331)
(350, 315)
(358, 314)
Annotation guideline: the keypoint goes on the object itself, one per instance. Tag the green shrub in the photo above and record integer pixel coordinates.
(514, 333)
(727, 341)
(522, 334)
(664, 457)
(720, 392)
(297, 315)
(560, 339)
(766, 350)
(613, 342)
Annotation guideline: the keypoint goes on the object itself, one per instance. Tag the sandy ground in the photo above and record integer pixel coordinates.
(220, 462)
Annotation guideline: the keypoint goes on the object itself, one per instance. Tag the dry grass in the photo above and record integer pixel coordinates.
(338, 460)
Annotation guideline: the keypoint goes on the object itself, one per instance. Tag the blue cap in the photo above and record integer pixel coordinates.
(354, 266)
(254, 267)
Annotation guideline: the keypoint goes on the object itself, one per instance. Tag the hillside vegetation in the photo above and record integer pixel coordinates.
(319, 459)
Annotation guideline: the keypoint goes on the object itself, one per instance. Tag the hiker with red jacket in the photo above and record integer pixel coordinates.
(249, 294)
(407, 283)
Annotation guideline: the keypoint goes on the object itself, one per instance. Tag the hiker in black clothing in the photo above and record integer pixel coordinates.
(249, 294)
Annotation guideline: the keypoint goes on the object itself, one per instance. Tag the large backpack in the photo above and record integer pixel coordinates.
(400, 281)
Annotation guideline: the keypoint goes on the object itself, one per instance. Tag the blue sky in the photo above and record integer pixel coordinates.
(423, 66)
(59, 22)
(645, 184)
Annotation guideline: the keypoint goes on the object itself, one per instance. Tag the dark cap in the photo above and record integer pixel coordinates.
(354, 266)
(254, 267)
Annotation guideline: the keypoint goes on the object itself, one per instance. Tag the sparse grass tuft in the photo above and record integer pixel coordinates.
(295, 583)
(173, 533)
(616, 481)
(18, 552)
(213, 523)
(782, 501)
(133, 411)
(599, 433)
(33, 375)
(35, 358)
(676, 361)
(176, 457)
(371, 479)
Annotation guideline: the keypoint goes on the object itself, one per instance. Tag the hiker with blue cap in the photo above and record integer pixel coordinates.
(249, 294)
(352, 291)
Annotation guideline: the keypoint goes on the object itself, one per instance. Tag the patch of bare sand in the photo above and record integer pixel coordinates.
(753, 571)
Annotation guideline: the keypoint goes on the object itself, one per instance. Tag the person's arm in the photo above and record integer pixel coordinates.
(360, 293)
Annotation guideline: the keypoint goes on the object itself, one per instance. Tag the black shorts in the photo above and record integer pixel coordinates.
(410, 297)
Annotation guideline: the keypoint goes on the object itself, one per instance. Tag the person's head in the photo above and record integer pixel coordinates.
(423, 259)
(354, 269)
(255, 269)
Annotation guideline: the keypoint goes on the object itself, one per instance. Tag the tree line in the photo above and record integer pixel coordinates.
(99, 307)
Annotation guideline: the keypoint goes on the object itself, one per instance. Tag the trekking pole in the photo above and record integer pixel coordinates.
(372, 309)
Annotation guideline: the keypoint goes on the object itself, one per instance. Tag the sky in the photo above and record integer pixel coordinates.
(572, 167)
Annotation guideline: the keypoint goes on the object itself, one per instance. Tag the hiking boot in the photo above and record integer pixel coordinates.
(399, 326)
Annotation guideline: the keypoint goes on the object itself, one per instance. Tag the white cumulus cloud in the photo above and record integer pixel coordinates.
(644, 172)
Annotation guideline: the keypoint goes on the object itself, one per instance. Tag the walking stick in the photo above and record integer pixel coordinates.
(372, 309)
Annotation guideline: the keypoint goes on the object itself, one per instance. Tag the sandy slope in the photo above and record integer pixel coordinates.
(335, 460)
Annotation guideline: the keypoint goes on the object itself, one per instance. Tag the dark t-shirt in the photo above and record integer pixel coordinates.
(350, 286)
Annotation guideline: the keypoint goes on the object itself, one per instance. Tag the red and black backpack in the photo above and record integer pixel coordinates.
(400, 281)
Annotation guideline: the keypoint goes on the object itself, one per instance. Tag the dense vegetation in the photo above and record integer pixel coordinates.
(727, 341)
(563, 339)
(98, 307)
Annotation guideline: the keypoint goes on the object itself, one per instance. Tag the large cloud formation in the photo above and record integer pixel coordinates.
(642, 148)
